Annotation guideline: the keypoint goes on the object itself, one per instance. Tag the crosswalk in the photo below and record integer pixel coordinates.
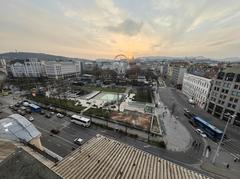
(232, 146)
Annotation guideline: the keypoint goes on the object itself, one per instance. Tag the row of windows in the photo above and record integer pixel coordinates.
(235, 100)
(236, 93)
(230, 105)
(228, 76)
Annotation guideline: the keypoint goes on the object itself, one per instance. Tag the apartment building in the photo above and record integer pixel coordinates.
(177, 74)
(196, 88)
(225, 94)
(50, 69)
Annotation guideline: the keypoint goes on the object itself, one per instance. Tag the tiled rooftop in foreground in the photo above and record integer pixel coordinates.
(102, 157)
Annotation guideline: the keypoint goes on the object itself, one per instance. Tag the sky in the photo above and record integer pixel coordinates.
(106, 28)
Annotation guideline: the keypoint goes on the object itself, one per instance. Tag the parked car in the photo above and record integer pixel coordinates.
(26, 104)
(23, 113)
(78, 141)
(48, 115)
(28, 111)
(17, 105)
(199, 131)
(52, 113)
(42, 112)
(54, 131)
(11, 106)
(60, 115)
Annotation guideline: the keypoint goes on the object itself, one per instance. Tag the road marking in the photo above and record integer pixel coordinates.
(70, 142)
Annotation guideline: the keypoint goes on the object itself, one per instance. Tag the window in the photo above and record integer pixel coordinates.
(227, 85)
(234, 93)
(220, 75)
(231, 99)
(235, 100)
(229, 76)
(238, 78)
(238, 94)
(235, 86)
(229, 105)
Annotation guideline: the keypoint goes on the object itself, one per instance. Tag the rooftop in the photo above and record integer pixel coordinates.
(16, 127)
(20, 164)
(102, 157)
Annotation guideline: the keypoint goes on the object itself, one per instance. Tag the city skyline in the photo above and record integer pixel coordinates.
(105, 28)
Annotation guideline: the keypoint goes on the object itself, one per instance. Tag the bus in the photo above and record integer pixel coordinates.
(80, 120)
(211, 131)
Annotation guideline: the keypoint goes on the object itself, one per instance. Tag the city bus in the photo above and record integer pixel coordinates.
(80, 120)
(211, 131)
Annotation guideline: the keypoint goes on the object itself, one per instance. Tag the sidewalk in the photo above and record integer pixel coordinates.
(220, 167)
(220, 170)
(177, 137)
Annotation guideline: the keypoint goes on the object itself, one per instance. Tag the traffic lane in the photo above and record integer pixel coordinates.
(55, 144)
(73, 131)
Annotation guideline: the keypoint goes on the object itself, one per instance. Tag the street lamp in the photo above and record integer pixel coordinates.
(225, 129)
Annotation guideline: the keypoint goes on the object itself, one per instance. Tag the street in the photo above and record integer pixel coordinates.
(171, 95)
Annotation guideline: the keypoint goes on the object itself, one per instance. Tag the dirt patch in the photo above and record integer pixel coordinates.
(133, 118)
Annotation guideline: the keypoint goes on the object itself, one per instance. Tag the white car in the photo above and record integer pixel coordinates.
(78, 141)
(31, 119)
(60, 115)
(201, 133)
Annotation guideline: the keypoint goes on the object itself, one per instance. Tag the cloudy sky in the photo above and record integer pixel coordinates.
(105, 28)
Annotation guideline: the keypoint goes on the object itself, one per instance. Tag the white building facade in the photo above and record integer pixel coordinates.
(196, 88)
(50, 69)
(60, 70)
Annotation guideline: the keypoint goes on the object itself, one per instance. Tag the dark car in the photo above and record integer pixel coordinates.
(55, 131)
(21, 112)
(28, 111)
(17, 105)
(48, 115)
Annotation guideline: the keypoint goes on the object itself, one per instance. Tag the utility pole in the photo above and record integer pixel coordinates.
(225, 129)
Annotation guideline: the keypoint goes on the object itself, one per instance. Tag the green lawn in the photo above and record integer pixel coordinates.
(110, 89)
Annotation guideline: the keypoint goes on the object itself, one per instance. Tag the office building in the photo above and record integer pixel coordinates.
(225, 94)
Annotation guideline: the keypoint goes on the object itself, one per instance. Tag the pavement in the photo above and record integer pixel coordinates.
(176, 136)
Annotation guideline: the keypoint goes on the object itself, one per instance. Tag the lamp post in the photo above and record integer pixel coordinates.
(225, 129)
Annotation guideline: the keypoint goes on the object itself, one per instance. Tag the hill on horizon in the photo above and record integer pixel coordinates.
(27, 55)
